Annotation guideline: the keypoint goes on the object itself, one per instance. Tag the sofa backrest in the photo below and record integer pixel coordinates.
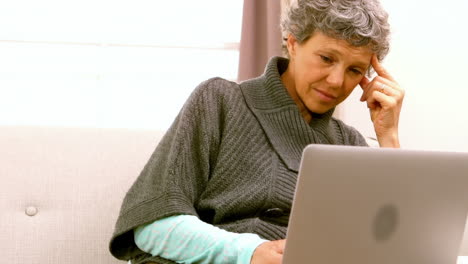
(61, 190)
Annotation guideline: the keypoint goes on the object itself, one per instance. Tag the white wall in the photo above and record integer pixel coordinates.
(429, 58)
(111, 63)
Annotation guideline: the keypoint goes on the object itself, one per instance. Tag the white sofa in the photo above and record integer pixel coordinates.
(61, 190)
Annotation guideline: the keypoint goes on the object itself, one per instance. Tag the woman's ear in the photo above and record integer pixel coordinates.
(291, 45)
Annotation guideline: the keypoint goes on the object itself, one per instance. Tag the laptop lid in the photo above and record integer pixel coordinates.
(359, 205)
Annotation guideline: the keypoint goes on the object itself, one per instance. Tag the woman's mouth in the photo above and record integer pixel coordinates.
(324, 96)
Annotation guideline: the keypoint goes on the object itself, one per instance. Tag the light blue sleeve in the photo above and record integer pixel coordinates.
(187, 239)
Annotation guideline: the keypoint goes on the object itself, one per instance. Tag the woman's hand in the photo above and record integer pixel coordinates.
(270, 252)
(384, 98)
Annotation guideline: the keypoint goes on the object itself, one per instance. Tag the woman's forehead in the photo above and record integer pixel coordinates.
(340, 47)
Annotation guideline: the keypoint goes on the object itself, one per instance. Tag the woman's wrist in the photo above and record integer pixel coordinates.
(390, 140)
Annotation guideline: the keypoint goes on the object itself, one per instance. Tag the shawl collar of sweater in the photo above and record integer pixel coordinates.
(279, 116)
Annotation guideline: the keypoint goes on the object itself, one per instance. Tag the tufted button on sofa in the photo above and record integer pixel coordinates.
(61, 190)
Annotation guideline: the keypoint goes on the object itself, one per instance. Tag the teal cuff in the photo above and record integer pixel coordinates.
(248, 247)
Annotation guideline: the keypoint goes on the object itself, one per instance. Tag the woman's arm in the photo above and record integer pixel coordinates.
(187, 239)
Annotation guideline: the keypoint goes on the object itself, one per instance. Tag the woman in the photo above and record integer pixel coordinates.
(219, 186)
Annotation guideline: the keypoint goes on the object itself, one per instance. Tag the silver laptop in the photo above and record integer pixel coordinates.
(359, 205)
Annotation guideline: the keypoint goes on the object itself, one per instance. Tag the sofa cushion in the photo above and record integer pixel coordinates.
(62, 188)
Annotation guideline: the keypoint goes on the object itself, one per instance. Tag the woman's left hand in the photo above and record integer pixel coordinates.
(384, 98)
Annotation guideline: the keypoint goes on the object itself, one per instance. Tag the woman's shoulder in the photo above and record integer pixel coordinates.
(218, 86)
(350, 134)
(216, 91)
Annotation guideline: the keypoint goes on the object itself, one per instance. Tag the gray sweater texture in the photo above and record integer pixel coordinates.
(231, 158)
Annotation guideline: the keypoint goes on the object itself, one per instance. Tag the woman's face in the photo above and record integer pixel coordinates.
(325, 70)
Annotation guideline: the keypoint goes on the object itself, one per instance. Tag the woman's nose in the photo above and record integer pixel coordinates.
(335, 77)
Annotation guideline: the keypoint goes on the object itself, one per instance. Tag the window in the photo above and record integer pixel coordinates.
(99, 63)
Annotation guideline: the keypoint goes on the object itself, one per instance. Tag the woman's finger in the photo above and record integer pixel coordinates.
(379, 69)
(364, 85)
(378, 84)
(385, 89)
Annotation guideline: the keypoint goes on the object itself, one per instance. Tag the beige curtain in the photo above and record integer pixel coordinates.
(261, 36)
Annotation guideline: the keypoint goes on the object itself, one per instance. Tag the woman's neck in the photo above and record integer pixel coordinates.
(289, 83)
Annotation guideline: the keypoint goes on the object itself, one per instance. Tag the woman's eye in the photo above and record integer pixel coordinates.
(356, 71)
(326, 59)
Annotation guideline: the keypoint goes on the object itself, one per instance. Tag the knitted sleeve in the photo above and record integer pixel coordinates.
(177, 171)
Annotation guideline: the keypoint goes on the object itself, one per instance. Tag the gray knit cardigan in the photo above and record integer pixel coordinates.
(231, 158)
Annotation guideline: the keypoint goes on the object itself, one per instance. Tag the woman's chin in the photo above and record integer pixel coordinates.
(320, 109)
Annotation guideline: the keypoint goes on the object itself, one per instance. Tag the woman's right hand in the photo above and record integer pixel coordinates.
(270, 252)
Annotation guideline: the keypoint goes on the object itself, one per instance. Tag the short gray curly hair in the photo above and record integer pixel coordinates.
(360, 22)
